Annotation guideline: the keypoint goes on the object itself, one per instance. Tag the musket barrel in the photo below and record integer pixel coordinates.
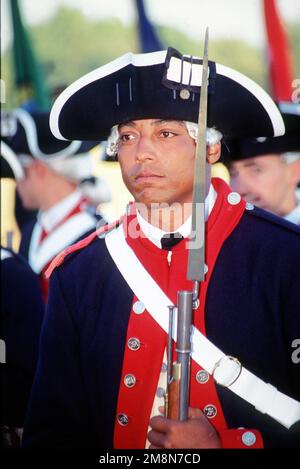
(184, 322)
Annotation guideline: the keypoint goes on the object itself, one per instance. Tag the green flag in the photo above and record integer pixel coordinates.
(28, 74)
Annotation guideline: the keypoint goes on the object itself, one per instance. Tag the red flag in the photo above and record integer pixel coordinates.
(281, 72)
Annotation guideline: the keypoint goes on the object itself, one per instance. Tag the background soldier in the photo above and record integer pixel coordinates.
(266, 171)
(58, 181)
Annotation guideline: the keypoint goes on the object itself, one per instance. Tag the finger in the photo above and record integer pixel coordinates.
(156, 439)
(195, 413)
(160, 424)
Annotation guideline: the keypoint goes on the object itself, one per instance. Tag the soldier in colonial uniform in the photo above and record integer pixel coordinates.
(266, 171)
(58, 182)
(102, 372)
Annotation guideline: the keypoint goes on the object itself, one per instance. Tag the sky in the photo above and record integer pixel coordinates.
(239, 19)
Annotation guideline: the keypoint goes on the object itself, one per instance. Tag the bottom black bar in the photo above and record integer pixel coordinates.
(139, 458)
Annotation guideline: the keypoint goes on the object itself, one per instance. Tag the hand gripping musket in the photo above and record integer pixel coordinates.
(178, 373)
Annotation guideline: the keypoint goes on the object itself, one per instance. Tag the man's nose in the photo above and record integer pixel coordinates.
(145, 150)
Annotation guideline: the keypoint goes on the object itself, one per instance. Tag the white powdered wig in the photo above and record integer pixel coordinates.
(75, 169)
(213, 136)
(112, 141)
(96, 190)
(79, 169)
(290, 157)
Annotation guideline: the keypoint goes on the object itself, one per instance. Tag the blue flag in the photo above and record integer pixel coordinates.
(149, 41)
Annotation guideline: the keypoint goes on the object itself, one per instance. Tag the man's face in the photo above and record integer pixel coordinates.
(264, 181)
(157, 160)
(29, 188)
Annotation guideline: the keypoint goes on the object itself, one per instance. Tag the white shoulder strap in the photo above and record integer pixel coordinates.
(226, 370)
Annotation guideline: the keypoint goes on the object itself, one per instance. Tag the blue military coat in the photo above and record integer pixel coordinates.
(252, 312)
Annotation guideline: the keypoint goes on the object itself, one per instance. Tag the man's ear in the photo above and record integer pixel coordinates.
(294, 170)
(213, 153)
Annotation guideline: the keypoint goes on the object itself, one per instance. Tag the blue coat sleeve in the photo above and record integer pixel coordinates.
(22, 312)
(57, 416)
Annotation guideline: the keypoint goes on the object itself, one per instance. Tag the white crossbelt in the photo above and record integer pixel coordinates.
(226, 370)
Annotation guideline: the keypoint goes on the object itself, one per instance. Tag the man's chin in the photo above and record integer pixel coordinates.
(29, 206)
(148, 197)
(155, 203)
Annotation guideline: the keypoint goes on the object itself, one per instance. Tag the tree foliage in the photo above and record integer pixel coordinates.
(69, 45)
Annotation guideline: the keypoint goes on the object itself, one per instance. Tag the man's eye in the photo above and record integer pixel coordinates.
(167, 134)
(126, 137)
(256, 170)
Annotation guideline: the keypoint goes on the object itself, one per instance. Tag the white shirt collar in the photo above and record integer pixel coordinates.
(155, 234)
(50, 218)
(294, 215)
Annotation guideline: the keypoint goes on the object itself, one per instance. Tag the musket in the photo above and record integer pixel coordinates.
(9, 239)
(178, 372)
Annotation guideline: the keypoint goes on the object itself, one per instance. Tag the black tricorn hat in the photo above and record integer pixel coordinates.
(10, 165)
(30, 134)
(162, 85)
(241, 149)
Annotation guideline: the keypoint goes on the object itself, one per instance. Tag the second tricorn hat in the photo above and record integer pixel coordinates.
(11, 167)
(162, 85)
(242, 149)
(30, 134)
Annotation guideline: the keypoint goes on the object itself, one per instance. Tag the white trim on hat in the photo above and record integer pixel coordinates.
(29, 126)
(139, 60)
(265, 100)
(9, 155)
(174, 73)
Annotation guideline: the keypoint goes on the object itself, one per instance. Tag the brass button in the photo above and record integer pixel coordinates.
(138, 307)
(202, 377)
(129, 380)
(184, 93)
(210, 411)
(123, 419)
(133, 343)
(234, 198)
(248, 438)
(160, 392)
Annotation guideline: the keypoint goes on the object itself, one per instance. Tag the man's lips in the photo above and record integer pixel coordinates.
(147, 176)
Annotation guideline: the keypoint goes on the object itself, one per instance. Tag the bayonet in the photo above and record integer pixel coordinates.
(177, 397)
(196, 260)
